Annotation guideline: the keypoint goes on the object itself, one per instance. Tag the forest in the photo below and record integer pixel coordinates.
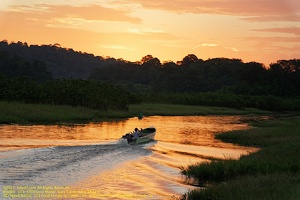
(56, 75)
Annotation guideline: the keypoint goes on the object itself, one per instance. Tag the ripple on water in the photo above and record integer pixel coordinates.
(95, 160)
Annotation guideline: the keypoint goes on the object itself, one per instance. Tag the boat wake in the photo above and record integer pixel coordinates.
(91, 159)
(45, 166)
(115, 169)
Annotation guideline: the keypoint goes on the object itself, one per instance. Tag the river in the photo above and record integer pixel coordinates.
(86, 161)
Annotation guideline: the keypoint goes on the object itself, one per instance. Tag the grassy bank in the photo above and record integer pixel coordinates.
(271, 173)
(12, 112)
(20, 113)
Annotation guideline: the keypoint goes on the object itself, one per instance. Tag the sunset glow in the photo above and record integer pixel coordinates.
(252, 30)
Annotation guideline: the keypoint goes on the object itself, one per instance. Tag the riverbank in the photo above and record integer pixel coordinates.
(20, 113)
(271, 173)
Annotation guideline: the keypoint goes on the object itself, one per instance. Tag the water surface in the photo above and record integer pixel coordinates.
(89, 157)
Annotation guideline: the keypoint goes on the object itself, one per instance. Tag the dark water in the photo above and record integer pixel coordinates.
(89, 161)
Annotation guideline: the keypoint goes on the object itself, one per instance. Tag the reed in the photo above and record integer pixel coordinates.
(271, 173)
(261, 187)
(21, 113)
(182, 110)
(13, 112)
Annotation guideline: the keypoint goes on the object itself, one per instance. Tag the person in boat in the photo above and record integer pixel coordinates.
(142, 134)
(140, 116)
(128, 136)
(135, 134)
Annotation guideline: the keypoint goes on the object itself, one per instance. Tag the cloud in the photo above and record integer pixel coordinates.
(144, 31)
(232, 49)
(88, 12)
(215, 45)
(263, 10)
(273, 39)
(266, 18)
(208, 45)
(287, 30)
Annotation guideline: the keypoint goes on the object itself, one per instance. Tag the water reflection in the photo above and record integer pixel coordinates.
(196, 130)
(89, 156)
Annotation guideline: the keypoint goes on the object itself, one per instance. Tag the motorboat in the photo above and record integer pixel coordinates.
(145, 135)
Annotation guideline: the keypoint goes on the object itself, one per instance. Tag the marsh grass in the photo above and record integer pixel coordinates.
(20, 113)
(265, 133)
(261, 187)
(182, 110)
(12, 112)
(271, 173)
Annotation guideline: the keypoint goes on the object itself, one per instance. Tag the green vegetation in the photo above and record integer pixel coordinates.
(263, 187)
(50, 74)
(190, 75)
(265, 102)
(271, 173)
(70, 92)
(149, 109)
(49, 84)
(21, 113)
(103, 96)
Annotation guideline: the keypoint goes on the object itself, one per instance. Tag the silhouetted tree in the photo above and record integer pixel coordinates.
(189, 59)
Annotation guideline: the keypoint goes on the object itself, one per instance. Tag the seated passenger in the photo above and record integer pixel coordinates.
(128, 137)
(136, 134)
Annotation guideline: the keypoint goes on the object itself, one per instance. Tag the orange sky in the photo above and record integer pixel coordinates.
(252, 30)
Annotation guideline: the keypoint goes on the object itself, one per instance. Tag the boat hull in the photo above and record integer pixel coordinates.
(144, 139)
(146, 135)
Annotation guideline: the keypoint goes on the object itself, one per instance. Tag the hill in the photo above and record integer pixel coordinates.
(191, 75)
(60, 62)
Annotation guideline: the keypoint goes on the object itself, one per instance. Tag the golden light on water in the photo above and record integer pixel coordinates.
(183, 130)
(89, 159)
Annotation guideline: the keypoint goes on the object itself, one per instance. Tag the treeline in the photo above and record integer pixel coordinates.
(193, 75)
(265, 102)
(31, 82)
(61, 62)
(59, 75)
(14, 65)
(190, 75)
(72, 92)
